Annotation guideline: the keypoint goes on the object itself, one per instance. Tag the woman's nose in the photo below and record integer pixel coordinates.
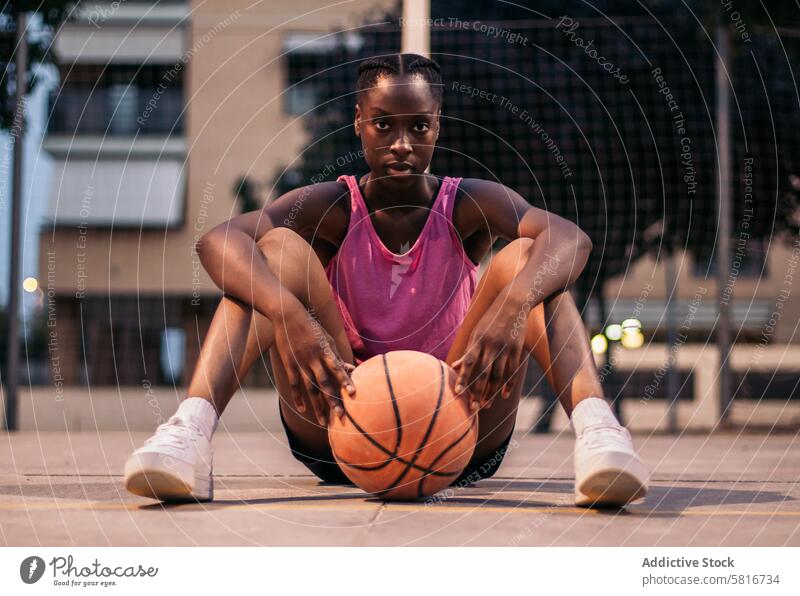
(401, 145)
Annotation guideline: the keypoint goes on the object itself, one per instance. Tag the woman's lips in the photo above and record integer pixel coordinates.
(399, 168)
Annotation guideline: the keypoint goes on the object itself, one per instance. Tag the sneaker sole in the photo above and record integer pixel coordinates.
(146, 475)
(616, 480)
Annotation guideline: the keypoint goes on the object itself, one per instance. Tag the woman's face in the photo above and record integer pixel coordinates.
(398, 122)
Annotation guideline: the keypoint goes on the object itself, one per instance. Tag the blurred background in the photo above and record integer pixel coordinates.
(667, 131)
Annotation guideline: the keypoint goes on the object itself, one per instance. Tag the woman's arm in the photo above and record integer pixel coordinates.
(231, 255)
(559, 252)
(555, 259)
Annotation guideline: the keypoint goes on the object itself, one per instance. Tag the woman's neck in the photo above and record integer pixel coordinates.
(382, 193)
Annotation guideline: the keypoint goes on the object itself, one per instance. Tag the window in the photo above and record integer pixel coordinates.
(118, 99)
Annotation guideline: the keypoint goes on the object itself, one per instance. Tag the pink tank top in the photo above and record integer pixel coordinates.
(413, 301)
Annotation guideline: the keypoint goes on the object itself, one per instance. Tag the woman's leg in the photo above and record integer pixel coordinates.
(236, 338)
(239, 335)
(555, 336)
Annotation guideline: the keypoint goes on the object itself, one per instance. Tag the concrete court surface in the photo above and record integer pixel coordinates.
(65, 489)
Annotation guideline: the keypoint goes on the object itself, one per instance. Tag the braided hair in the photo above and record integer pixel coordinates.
(372, 69)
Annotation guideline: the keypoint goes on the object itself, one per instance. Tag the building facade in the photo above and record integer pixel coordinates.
(164, 109)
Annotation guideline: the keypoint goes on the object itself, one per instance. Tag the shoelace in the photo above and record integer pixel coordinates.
(173, 432)
(601, 435)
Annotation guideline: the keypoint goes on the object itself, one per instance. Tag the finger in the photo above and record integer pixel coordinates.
(320, 407)
(340, 372)
(314, 398)
(512, 363)
(295, 388)
(336, 366)
(330, 391)
(497, 377)
(481, 382)
(482, 372)
(498, 355)
(320, 404)
(514, 370)
(465, 363)
(324, 381)
(327, 389)
(464, 383)
(499, 374)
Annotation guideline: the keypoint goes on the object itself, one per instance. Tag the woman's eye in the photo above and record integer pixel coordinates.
(421, 127)
(379, 124)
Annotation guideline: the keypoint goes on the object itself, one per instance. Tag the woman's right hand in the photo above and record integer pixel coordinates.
(315, 370)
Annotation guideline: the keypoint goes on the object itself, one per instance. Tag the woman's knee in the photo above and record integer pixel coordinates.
(293, 261)
(280, 242)
(298, 268)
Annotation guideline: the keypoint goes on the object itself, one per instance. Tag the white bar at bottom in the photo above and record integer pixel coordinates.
(402, 571)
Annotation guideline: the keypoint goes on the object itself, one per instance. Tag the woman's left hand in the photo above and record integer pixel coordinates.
(491, 361)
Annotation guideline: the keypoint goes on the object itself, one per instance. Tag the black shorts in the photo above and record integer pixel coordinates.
(329, 471)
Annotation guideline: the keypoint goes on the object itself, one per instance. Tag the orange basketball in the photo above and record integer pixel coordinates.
(404, 435)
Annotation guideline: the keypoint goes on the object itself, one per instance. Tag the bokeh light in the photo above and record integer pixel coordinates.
(30, 284)
(633, 339)
(599, 344)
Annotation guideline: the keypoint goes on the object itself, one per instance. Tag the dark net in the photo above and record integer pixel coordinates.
(606, 120)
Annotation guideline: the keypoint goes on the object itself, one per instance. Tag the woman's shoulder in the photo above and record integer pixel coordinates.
(321, 208)
(479, 203)
(473, 195)
(479, 186)
(483, 192)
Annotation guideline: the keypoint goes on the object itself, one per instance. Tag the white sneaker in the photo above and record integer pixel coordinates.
(607, 470)
(175, 464)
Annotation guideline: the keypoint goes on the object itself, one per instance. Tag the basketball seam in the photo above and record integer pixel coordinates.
(441, 455)
(393, 456)
(425, 438)
(395, 406)
(398, 426)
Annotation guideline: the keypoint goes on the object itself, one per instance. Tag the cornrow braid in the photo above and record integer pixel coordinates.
(372, 69)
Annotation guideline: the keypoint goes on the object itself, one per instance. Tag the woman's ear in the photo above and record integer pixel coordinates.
(357, 121)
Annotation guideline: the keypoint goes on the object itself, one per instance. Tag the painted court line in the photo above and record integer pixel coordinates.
(389, 507)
